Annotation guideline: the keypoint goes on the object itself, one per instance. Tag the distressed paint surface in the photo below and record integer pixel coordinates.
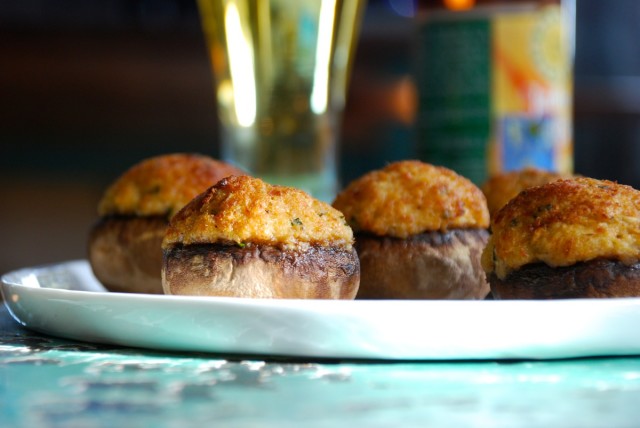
(47, 382)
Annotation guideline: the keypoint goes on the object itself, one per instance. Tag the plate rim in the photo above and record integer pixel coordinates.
(344, 310)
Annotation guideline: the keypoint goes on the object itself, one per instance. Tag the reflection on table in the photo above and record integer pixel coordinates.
(48, 382)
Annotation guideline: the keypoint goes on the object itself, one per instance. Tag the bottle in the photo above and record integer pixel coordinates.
(494, 82)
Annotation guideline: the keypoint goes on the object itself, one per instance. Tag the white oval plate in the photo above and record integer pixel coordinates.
(66, 300)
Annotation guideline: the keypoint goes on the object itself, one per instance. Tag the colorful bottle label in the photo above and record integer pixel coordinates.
(495, 90)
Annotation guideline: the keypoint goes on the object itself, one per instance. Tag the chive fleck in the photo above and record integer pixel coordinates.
(153, 190)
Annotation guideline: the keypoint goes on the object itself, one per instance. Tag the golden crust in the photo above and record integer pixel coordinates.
(162, 185)
(246, 210)
(501, 188)
(410, 197)
(565, 222)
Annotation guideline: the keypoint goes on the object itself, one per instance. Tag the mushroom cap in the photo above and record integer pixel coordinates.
(125, 253)
(432, 265)
(261, 271)
(597, 278)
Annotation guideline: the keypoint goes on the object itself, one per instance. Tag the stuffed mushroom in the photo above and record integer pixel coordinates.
(243, 237)
(566, 239)
(419, 230)
(124, 245)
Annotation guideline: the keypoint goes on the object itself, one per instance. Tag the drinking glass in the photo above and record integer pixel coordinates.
(281, 70)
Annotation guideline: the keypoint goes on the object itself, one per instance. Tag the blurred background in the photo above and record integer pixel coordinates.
(88, 88)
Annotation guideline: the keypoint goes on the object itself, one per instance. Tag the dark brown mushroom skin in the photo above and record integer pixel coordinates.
(125, 253)
(261, 271)
(430, 265)
(593, 279)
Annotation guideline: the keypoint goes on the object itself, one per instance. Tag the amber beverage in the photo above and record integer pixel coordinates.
(281, 70)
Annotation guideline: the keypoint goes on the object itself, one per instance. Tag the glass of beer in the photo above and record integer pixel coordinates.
(281, 70)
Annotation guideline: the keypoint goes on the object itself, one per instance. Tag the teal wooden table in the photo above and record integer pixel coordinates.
(48, 382)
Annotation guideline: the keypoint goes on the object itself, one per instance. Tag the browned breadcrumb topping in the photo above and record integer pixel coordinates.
(245, 210)
(161, 185)
(501, 188)
(565, 222)
(410, 197)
